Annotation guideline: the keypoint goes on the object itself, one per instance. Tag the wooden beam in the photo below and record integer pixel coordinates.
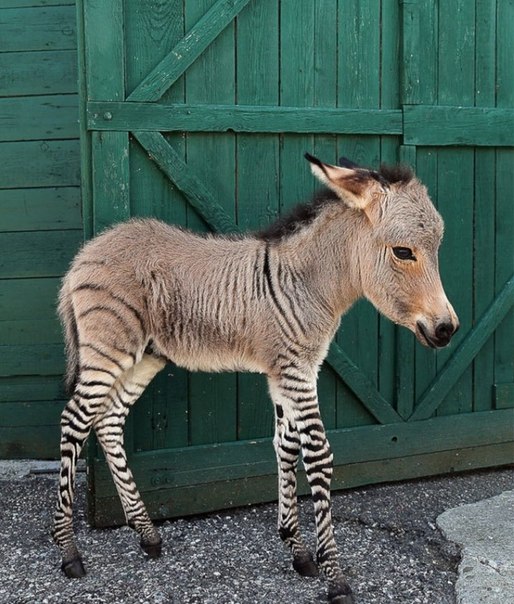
(361, 385)
(184, 178)
(440, 126)
(192, 45)
(241, 118)
(465, 353)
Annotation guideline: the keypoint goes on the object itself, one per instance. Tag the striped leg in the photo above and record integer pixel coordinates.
(287, 448)
(76, 421)
(317, 460)
(299, 425)
(109, 430)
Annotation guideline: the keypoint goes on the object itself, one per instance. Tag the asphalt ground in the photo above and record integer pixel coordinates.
(390, 546)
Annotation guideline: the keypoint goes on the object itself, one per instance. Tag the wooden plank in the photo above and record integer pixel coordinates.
(22, 298)
(361, 385)
(32, 3)
(465, 353)
(194, 43)
(258, 187)
(185, 501)
(452, 125)
(31, 359)
(504, 396)
(184, 178)
(484, 220)
(30, 331)
(39, 117)
(241, 118)
(247, 459)
(19, 442)
(104, 52)
(110, 189)
(456, 172)
(38, 28)
(48, 209)
(504, 242)
(419, 52)
(52, 164)
(32, 388)
(38, 253)
(37, 73)
(86, 178)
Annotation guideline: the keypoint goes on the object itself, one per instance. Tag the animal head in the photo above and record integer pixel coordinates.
(398, 247)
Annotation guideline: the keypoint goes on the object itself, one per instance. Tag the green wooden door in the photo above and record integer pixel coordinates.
(40, 216)
(199, 113)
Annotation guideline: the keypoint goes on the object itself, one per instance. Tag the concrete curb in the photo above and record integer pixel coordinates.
(485, 530)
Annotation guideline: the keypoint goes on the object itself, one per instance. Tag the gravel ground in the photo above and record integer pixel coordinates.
(387, 536)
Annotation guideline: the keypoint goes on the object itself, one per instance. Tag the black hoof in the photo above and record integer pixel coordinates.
(341, 595)
(152, 550)
(74, 569)
(306, 566)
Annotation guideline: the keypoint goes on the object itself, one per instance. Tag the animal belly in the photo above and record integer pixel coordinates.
(215, 361)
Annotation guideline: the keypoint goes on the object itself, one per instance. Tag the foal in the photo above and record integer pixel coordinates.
(144, 293)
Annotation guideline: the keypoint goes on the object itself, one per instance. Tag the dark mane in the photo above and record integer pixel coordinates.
(399, 173)
(298, 218)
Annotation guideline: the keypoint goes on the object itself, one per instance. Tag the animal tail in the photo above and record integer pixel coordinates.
(71, 339)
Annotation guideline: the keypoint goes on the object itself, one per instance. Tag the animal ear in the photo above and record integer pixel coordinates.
(344, 162)
(357, 187)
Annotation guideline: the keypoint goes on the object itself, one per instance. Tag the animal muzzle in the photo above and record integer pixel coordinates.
(439, 334)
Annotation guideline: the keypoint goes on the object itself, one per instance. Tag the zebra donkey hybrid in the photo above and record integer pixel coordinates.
(144, 293)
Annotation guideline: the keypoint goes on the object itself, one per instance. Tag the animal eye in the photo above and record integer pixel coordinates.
(403, 253)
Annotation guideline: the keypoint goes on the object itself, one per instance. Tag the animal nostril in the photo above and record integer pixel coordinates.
(443, 331)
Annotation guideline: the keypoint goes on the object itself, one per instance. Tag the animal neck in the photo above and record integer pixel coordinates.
(327, 254)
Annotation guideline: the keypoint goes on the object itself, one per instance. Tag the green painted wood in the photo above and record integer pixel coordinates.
(32, 388)
(194, 43)
(241, 118)
(32, 359)
(30, 331)
(19, 443)
(104, 50)
(183, 177)
(227, 138)
(504, 396)
(110, 186)
(37, 73)
(52, 163)
(38, 28)
(504, 243)
(485, 167)
(18, 301)
(45, 209)
(37, 253)
(476, 126)
(236, 460)
(185, 501)
(363, 387)
(39, 117)
(471, 345)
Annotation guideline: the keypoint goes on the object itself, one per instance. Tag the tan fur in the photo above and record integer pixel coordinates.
(144, 292)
